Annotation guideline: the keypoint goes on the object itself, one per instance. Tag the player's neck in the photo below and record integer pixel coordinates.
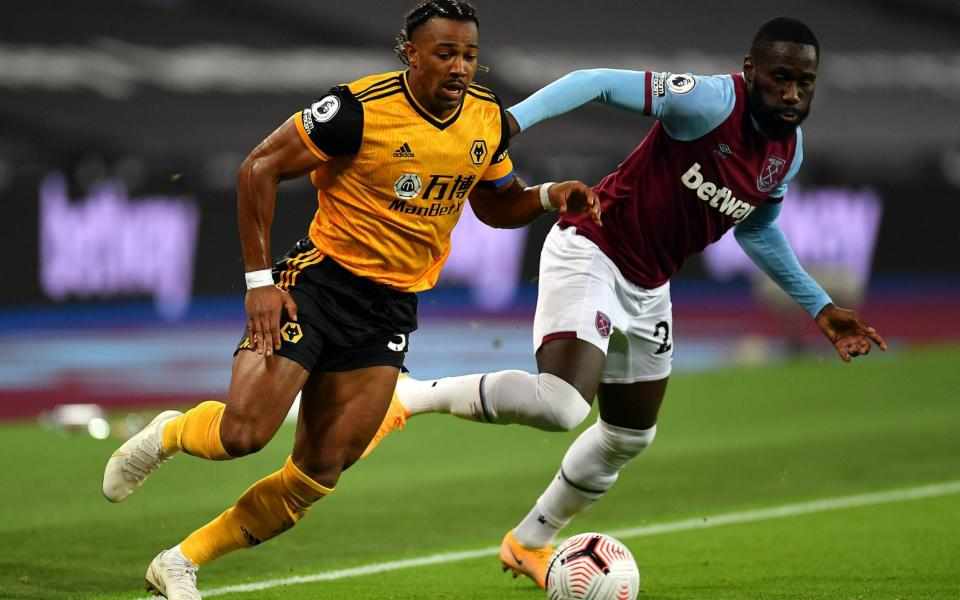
(420, 94)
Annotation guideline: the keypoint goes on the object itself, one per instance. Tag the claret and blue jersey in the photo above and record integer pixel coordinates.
(703, 168)
(695, 109)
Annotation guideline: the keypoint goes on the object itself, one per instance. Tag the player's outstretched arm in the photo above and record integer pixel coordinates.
(848, 334)
(513, 205)
(282, 155)
(617, 87)
(764, 242)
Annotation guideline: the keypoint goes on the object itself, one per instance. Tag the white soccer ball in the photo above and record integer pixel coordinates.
(594, 566)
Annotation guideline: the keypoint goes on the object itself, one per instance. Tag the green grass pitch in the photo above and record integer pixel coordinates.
(729, 441)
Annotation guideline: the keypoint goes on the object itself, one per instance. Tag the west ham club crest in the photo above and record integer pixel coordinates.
(770, 174)
(603, 325)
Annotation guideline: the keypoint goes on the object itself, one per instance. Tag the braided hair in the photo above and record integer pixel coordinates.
(457, 10)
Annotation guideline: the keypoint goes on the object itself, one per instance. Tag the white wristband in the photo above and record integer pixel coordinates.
(259, 278)
(545, 197)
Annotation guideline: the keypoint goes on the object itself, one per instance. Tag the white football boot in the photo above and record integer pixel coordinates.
(139, 456)
(173, 576)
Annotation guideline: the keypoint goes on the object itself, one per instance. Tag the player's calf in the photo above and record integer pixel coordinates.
(543, 401)
(594, 460)
(265, 510)
(395, 419)
(590, 467)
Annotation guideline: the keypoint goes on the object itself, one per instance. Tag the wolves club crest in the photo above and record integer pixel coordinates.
(603, 324)
(770, 174)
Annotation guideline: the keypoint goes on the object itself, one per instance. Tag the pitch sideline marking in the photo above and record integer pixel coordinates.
(747, 516)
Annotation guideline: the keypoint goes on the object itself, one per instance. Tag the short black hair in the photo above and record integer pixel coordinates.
(457, 10)
(784, 29)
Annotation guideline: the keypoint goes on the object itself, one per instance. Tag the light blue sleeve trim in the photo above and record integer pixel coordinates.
(688, 113)
(621, 88)
(764, 242)
(781, 190)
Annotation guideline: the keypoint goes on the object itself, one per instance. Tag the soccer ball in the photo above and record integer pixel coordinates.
(594, 566)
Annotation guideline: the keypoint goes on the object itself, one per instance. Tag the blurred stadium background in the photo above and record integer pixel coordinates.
(124, 123)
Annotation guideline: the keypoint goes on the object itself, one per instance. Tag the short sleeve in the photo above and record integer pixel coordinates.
(333, 125)
(501, 166)
(690, 106)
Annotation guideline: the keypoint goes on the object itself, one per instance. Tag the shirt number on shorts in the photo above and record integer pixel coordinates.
(665, 345)
(398, 343)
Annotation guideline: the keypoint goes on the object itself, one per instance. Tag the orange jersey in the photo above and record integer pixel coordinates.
(394, 178)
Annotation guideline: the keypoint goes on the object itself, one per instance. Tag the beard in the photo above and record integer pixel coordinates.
(768, 117)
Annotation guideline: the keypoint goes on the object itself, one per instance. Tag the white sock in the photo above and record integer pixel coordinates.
(543, 401)
(589, 468)
(540, 527)
(440, 395)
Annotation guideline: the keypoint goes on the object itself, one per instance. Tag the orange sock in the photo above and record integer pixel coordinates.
(271, 506)
(197, 432)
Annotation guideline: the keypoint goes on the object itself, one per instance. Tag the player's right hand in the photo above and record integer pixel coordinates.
(264, 307)
(576, 198)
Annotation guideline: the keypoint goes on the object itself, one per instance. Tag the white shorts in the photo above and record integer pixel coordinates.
(582, 295)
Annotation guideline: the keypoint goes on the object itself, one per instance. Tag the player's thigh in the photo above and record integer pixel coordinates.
(577, 362)
(641, 347)
(576, 310)
(262, 389)
(639, 358)
(632, 405)
(340, 412)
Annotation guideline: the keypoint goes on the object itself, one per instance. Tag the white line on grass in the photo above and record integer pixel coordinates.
(747, 516)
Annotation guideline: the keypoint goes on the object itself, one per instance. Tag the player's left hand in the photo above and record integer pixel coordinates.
(577, 198)
(850, 336)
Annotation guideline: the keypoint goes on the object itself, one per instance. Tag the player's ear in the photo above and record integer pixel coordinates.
(748, 69)
(411, 52)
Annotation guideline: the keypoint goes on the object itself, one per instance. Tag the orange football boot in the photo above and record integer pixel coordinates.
(532, 562)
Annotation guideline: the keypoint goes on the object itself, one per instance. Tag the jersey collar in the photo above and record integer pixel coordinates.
(439, 124)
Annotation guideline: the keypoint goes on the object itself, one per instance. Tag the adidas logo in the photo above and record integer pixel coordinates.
(403, 151)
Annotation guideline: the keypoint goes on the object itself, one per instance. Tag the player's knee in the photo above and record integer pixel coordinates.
(593, 463)
(351, 456)
(623, 443)
(326, 470)
(544, 401)
(240, 439)
(565, 406)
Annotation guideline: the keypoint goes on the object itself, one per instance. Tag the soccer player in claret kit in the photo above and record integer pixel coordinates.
(720, 156)
(394, 157)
